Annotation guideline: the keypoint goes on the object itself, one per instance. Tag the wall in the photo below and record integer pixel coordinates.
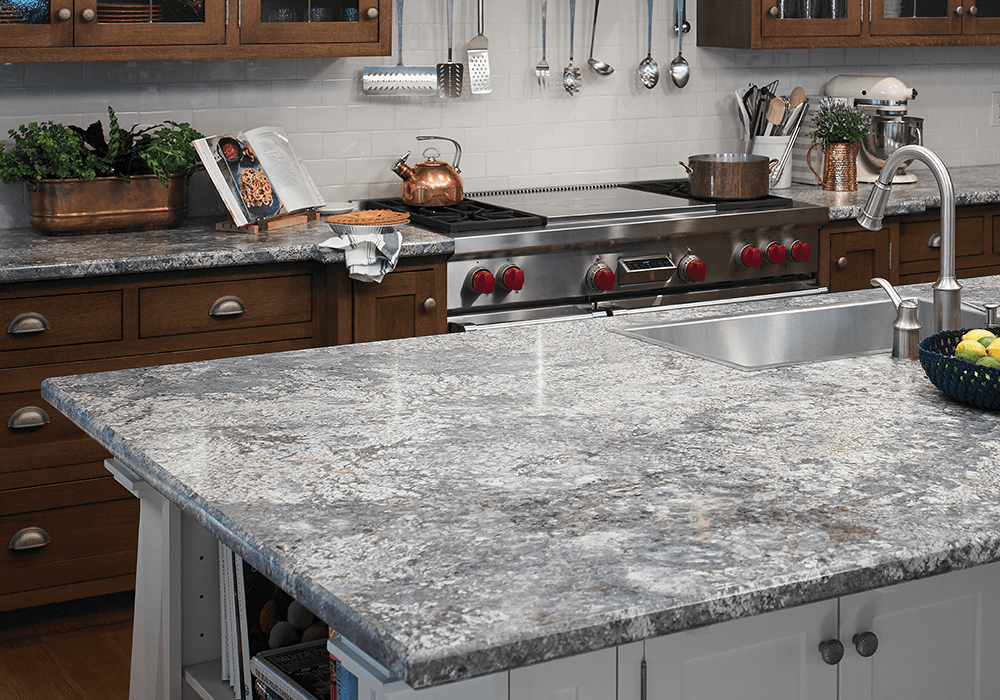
(517, 136)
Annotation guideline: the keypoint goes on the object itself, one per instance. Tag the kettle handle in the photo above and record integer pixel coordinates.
(458, 148)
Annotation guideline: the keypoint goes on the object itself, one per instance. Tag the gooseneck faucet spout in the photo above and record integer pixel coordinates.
(947, 290)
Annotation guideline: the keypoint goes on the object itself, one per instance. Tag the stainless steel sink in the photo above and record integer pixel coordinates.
(792, 336)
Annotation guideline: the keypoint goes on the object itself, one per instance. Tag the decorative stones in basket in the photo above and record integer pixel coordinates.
(366, 222)
(960, 379)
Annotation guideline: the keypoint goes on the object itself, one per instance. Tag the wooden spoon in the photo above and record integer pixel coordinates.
(776, 113)
(797, 97)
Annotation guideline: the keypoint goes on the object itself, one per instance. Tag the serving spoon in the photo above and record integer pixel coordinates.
(680, 71)
(571, 74)
(599, 67)
(649, 72)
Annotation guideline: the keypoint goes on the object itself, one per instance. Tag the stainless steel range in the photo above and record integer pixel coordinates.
(614, 249)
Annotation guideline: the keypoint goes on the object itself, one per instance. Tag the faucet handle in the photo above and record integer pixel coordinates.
(887, 286)
(991, 313)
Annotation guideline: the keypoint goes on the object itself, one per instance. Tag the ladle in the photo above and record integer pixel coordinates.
(599, 67)
(680, 71)
(649, 72)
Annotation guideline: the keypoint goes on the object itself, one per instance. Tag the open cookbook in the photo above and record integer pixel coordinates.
(258, 175)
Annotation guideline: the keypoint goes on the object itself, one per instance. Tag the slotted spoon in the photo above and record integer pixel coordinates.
(649, 72)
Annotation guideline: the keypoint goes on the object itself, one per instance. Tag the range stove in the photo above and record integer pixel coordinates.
(614, 249)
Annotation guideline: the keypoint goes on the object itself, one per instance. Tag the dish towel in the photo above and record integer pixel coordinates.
(369, 256)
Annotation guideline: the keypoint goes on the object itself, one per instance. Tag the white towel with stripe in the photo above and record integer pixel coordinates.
(369, 256)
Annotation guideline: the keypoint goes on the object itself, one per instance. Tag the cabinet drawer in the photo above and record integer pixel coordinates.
(60, 320)
(970, 241)
(221, 306)
(64, 495)
(87, 542)
(51, 443)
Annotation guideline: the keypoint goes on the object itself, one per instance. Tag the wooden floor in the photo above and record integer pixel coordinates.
(78, 650)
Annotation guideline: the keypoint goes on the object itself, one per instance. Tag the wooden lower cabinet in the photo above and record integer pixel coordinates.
(51, 473)
(907, 249)
(937, 638)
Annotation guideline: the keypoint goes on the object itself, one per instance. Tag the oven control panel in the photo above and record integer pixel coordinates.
(620, 269)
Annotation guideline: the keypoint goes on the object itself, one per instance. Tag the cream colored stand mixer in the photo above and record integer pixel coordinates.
(885, 100)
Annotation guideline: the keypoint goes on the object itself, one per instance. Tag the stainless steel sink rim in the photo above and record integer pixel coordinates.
(747, 341)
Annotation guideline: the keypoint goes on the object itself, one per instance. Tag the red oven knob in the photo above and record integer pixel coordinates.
(750, 256)
(776, 253)
(480, 281)
(692, 269)
(511, 278)
(800, 251)
(601, 277)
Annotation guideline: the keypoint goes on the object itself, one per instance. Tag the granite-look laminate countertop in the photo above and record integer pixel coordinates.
(28, 255)
(464, 504)
(979, 184)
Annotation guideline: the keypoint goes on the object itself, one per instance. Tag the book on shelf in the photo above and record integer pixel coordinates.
(258, 174)
(299, 672)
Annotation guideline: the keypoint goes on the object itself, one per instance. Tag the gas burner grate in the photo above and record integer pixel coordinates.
(467, 215)
(682, 188)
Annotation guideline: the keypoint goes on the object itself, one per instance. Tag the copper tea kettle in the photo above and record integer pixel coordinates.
(432, 183)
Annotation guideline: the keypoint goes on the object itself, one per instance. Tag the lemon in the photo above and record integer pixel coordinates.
(971, 350)
(976, 334)
(993, 349)
(989, 362)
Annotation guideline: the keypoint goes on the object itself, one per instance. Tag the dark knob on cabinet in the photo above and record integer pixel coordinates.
(866, 643)
(832, 651)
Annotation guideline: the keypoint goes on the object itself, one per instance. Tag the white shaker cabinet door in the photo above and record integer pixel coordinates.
(938, 639)
(588, 676)
(774, 656)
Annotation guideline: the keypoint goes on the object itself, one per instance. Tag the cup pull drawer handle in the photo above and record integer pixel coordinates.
(29, 538)
(28, 324)
(28, 417)
(228, 306)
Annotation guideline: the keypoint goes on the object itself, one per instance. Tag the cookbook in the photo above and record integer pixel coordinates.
(258, 174)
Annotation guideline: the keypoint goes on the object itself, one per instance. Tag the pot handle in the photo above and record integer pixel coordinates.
(810, 163)
(458, 148)
(771, 164)
(687, 167)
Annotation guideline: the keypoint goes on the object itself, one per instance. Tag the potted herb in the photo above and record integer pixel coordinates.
(82, 181)
(840, 128)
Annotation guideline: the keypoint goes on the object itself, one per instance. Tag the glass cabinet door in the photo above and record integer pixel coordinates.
(150, 22)
(803, 18)
(35, 23)
(926, 17)
(982, 17)
(309, 21)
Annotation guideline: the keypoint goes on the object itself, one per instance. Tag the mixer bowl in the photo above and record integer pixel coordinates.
(888, 135)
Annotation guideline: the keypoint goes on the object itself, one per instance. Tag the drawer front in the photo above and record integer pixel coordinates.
(87, 542)
(65, 495)
(40, 436)
(221, 306)
(58, 320)
(970, 240)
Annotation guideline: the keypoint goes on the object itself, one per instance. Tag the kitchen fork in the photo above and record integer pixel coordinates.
(542, 69)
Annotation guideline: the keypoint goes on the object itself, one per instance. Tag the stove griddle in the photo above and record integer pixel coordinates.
(469, 215)
(682, 188)
(597, 203)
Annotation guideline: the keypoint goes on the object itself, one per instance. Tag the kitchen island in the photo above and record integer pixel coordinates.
(469, 505)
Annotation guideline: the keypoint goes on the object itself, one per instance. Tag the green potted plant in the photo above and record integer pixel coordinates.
(840, 128)
(83, 182)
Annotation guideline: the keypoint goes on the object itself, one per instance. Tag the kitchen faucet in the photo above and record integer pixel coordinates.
(947, 290)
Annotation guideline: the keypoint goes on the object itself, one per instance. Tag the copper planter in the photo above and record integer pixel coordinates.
(107, 204)
(840, 166)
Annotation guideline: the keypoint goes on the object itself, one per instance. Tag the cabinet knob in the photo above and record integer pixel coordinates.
(28, 417)
(29, 538)
(87, 15)
(773, 11)
(959, 10)
(842, 263)
(372, 13)
(866, 643)
(65, 15)
(228, 306)
(973, 10)
(27, 324)
(430, 304)
(832, 651)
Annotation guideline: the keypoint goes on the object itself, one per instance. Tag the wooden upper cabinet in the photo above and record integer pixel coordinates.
(773, 24)
(98, 30)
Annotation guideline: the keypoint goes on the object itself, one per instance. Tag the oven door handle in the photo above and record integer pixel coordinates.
(470, 326)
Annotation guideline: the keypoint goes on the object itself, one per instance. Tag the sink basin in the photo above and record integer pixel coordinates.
(791, 336)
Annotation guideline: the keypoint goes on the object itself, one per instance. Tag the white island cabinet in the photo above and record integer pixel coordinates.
(937, 639)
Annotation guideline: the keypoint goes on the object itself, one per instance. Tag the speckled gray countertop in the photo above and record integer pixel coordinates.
(28, 255)
(978, 184)
(464, 504)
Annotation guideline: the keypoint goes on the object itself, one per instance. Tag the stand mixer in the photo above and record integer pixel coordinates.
(884, 99)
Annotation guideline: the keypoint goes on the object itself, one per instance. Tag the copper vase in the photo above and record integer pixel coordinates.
(840, 166)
